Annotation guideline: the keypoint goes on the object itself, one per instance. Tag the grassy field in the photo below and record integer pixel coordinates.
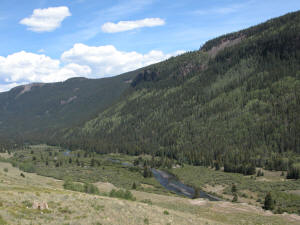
(55, 162)
(107, 172)
(251, 189)
(17, 194)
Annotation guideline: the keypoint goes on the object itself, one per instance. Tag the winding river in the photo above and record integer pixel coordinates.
(171, 183)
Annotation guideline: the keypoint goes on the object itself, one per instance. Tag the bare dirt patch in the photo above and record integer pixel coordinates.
(105, 186)
(198, 202)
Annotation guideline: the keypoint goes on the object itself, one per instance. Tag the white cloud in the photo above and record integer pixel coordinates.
(6, 87)
(46, 19)
(130, 25)
(107, 60)
(81, 60)
(25, 67)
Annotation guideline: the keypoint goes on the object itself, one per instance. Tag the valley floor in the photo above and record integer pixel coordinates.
(18, 193)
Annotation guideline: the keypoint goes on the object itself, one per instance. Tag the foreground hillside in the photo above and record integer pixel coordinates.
(17, 194)
(234, 103)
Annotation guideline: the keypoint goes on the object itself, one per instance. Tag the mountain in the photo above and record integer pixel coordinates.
(234, 102)
(37, 110)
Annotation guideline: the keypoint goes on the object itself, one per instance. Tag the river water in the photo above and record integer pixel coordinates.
(171, 183)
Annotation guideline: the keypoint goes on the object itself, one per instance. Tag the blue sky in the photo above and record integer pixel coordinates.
(97, 38)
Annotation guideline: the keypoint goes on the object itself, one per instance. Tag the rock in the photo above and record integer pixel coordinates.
(40, 205)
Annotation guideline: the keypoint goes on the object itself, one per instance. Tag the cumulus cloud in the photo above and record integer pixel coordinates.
(131, 25)
(107, 60)
(26, 67)
(48, 19)
(81, 60)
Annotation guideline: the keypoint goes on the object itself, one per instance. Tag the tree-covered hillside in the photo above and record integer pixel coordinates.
(235, 103)
(36, 111)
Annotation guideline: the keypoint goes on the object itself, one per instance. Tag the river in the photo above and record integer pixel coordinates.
(171, 183)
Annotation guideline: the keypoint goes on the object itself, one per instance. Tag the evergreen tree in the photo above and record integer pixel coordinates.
(269, 203)
(134, 185)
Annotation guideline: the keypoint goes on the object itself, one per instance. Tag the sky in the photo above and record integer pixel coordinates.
(53, 40)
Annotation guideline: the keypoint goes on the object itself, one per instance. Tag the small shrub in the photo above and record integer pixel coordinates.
(27, 203)
(166, 212)
(146, 221)
(27, 167)
(147, 201)
(22, 175)
(233, 188)
(244, 195)
(235, 198)
(98, 207)
(87, 187)
(122, 194)
(5, 170)
(90, 188)
(68, 185)
(65, 210)
(279, 210)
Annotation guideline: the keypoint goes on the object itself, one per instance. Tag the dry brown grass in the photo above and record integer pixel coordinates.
(68, 207)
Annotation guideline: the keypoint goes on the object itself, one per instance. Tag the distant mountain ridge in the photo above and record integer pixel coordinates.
(39, 109)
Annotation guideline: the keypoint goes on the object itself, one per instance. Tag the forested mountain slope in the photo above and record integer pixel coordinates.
(236, 102)
(37, 110)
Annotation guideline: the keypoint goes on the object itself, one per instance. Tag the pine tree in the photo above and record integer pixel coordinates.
(134, 185)
(269, 202)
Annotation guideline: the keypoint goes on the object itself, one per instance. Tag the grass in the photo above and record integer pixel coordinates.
(69, 207)
(106, 168)
(250, 188)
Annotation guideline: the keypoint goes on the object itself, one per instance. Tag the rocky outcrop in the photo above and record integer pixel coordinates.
(40, 205)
